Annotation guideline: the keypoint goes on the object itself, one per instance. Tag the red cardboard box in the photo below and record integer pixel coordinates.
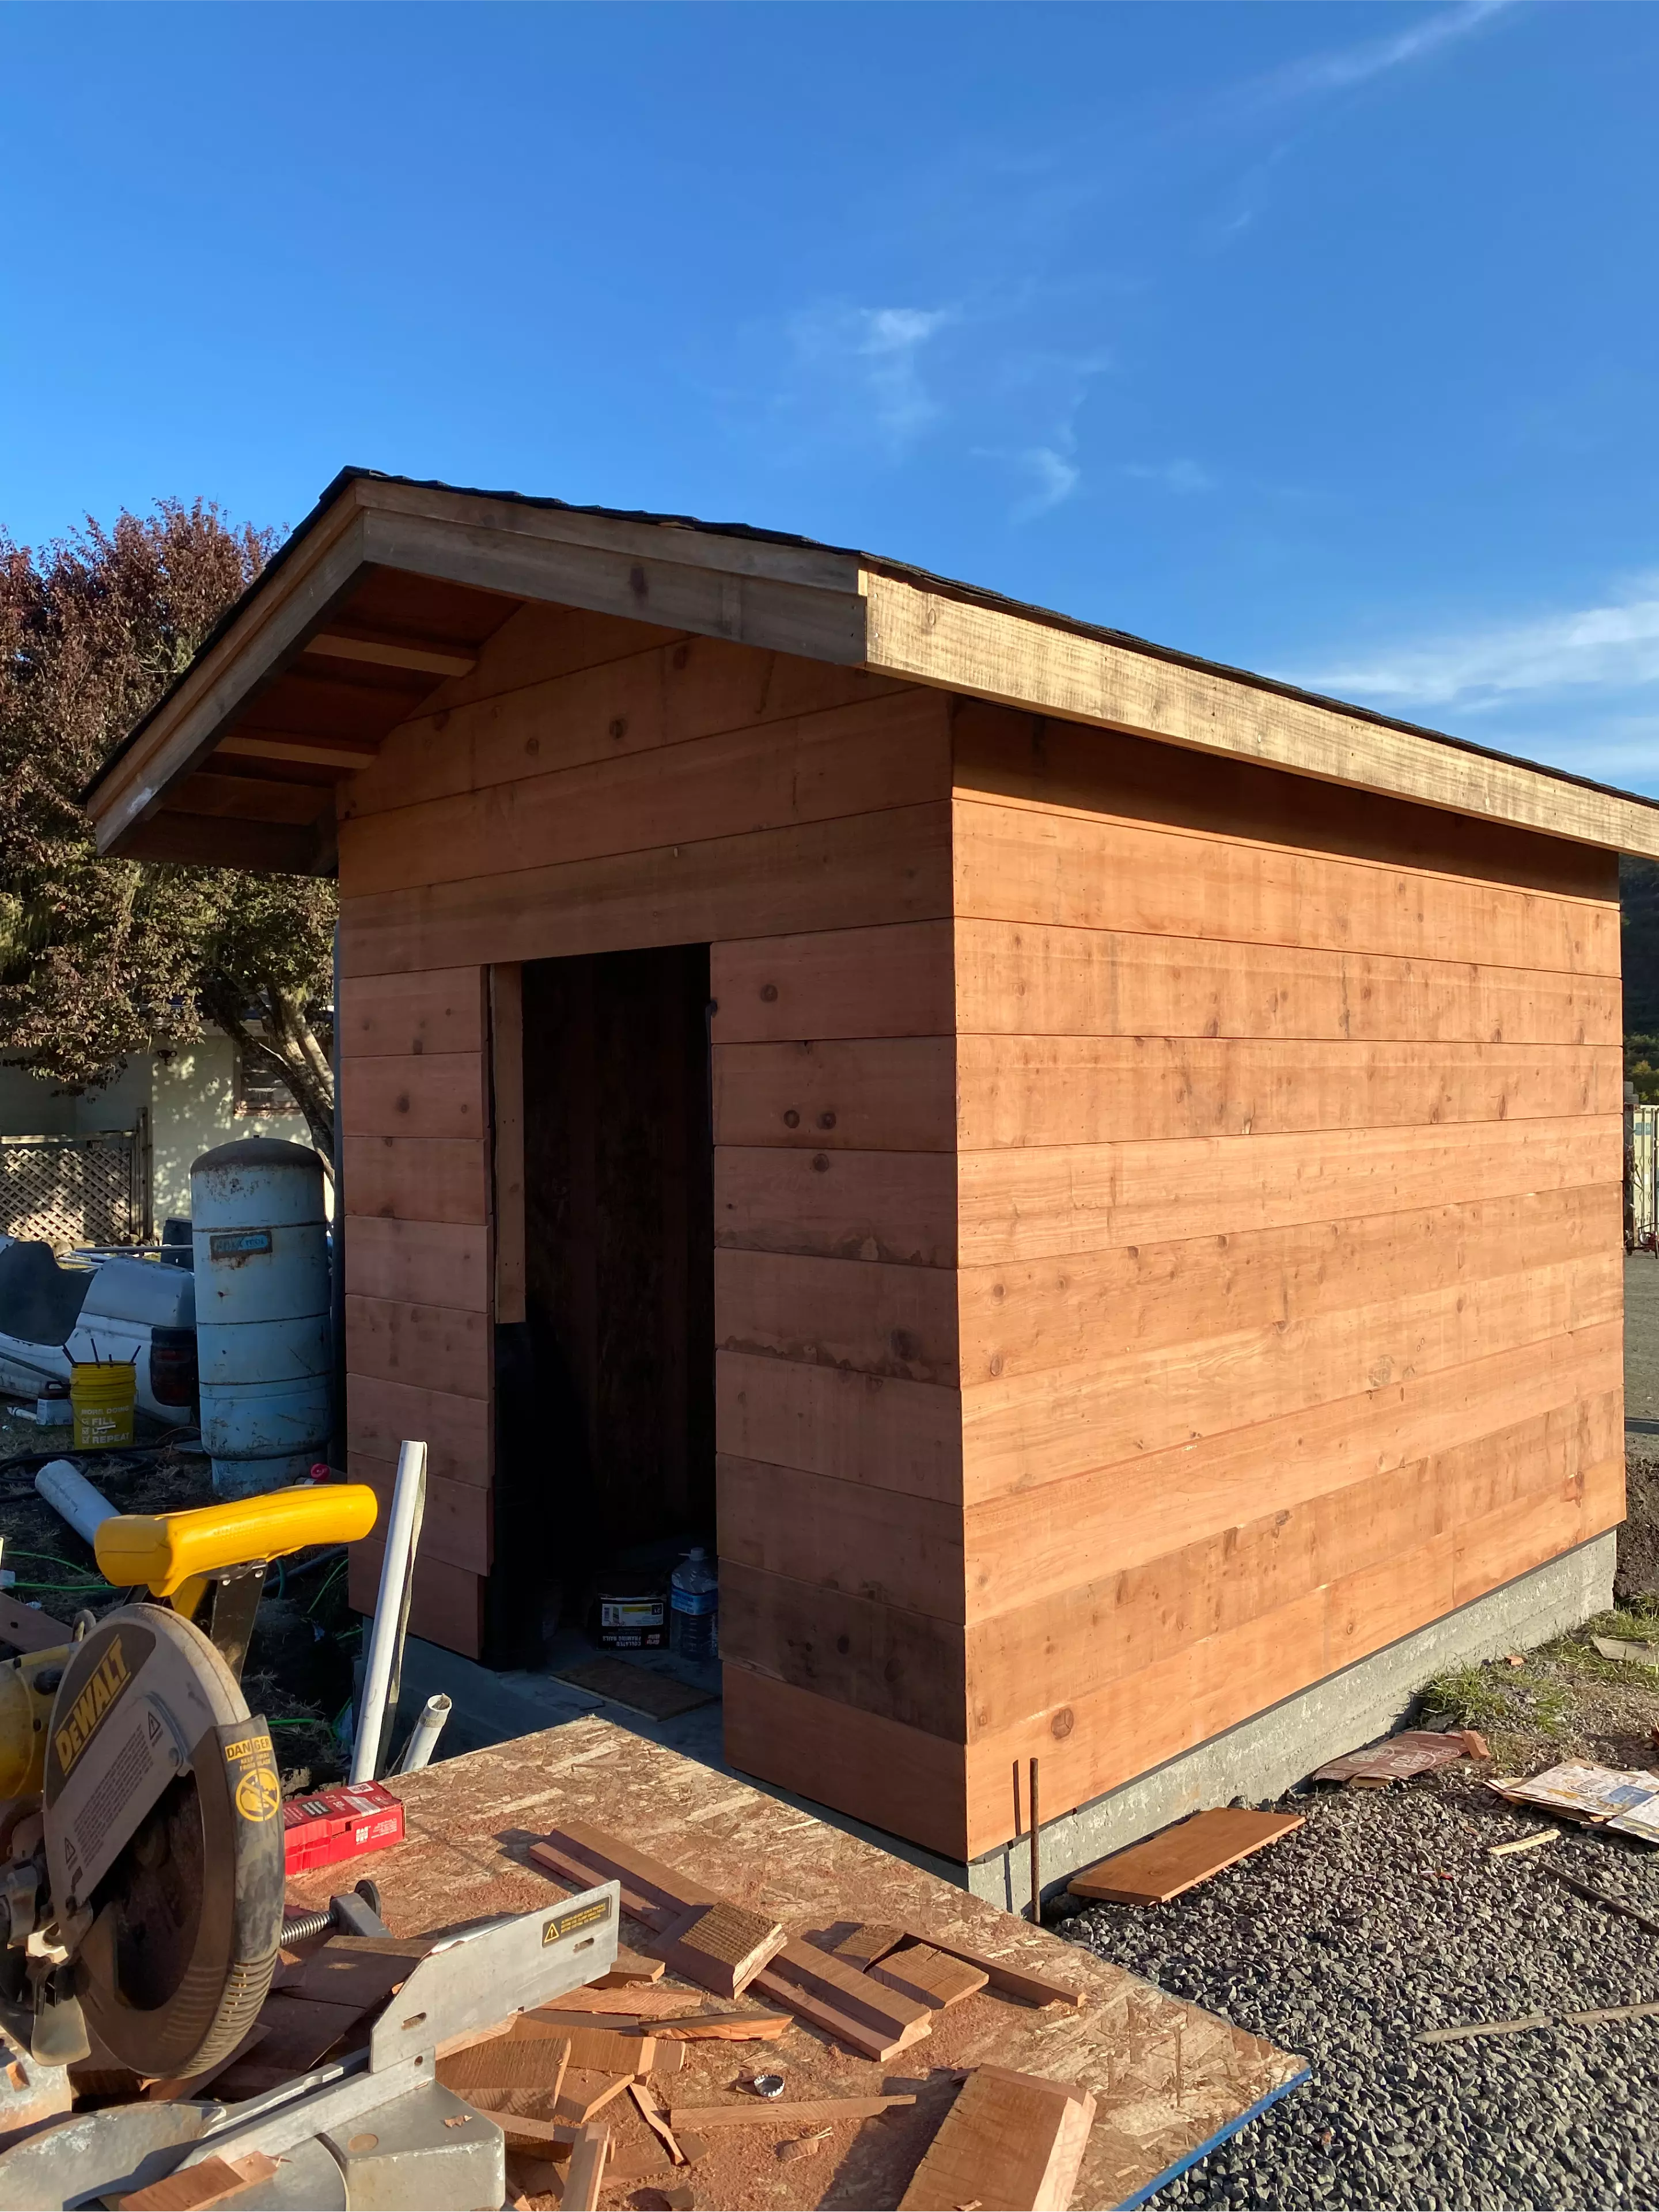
(329, 1825)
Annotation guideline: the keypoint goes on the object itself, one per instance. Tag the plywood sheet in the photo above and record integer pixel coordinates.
(1152, 1872)
(1166, 2076)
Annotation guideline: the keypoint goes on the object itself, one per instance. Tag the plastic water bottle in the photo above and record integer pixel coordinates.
(693, 1606)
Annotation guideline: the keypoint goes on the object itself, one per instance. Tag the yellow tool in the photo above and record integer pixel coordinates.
(143, 1889)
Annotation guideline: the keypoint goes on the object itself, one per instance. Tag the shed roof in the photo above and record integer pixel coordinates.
(390, 587)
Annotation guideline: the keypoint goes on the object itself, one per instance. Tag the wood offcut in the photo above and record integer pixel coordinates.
(1011, 2141)
(1166, 1865)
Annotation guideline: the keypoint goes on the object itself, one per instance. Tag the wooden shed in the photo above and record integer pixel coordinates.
(1107, 1167)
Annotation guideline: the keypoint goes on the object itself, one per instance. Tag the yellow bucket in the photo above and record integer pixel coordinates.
(102, 1394)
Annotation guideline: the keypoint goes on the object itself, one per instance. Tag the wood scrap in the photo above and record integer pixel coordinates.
(651, 1892)
(508, 2062)
(1008, 1981)
(602, 2051)
(1469, 2029)
(1524, 1843)
(1612, 2012)
(630, 1966)
(670, 2059)
(1169, 1864)
(27, 1629)
(1605, 1898)
(722, 2027)
(586, 2092)
(1012, 2140)
(638, 2000)
(857, 2010)
(211, 2181)
(655, 2120)
(586, 2176)
(869, 1941)
(720, 1947)
(819, 2112)
(936, 1979)
(544, 2135)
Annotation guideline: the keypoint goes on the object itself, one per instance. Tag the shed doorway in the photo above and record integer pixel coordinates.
(619, 1197)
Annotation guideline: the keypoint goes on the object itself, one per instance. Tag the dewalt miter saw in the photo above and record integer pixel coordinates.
(140, 1841)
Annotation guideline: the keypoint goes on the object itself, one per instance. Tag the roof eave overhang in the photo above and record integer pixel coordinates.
(821, 603)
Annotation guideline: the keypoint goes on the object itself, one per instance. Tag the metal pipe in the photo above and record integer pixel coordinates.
(67, 1492)
(391, 1607)
(424, 1736)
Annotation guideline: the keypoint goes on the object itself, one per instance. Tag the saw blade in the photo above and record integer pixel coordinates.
(162, 1810)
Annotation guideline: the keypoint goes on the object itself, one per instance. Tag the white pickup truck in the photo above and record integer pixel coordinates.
(101, 1306)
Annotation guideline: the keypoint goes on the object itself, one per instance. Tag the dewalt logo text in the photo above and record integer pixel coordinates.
(109, 1678)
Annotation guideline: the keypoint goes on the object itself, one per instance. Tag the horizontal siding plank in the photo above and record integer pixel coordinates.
(859, 1428)
(888, 1094)
(445, 1261)
(428, 1011)
(447, 1602)
(1038, 1314)
(890, 866)
(894, 1206)
(1021, 1432)
(1030, 1202)
(898, 1778)
(432, 1095)
(1093, 1743)
(889, 752)
(1025, 865)
(456, 1524)
(416, 1178)
(904, 1666)
(1020, 978)
(380, 1416)
(1029, 1658)
(436, 1347)
(846, 1536)
(859, 1314)
(1034, 760)
(670, 693)
(1024, 1545)
(1082, 1090)
(897, 980)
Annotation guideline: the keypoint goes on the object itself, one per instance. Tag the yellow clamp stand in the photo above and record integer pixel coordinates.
(165, 1551)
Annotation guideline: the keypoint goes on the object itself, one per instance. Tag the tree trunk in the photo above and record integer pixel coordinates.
(291, 1048)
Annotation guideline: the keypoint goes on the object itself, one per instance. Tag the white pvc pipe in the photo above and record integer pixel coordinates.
(424, 1736)
(408, 1496)
(67, 1492)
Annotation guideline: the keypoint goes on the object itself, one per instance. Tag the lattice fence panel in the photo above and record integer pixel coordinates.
(68, 1190)
(1643, 1169)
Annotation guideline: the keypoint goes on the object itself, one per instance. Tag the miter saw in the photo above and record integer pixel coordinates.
(141, 1838)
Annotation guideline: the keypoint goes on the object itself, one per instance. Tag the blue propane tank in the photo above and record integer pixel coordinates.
(263, 1344)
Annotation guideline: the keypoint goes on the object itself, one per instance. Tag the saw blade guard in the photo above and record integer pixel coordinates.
(162, 1816)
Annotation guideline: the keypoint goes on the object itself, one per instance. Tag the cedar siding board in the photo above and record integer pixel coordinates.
(684, 790)
(1289, 1293)
(1166, 1210)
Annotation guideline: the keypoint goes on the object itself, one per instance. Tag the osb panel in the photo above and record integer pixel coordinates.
(1168, 2076)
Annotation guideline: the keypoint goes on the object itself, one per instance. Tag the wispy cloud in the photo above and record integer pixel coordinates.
(1346, 67)
(1179, 476)
(1615, 645)
(880, 349)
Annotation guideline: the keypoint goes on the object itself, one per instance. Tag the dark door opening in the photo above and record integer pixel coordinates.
(619, 1444)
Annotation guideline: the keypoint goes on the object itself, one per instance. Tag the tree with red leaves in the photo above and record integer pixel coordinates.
(103, 958)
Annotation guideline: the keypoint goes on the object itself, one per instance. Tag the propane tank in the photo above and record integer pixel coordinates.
(263, 1341)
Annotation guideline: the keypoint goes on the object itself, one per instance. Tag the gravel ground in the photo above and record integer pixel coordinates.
(1383, 1916)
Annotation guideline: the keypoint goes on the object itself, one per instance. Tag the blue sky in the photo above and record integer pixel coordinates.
(1316, 338)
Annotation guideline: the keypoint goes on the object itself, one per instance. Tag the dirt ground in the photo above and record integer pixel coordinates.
(299, 1662)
